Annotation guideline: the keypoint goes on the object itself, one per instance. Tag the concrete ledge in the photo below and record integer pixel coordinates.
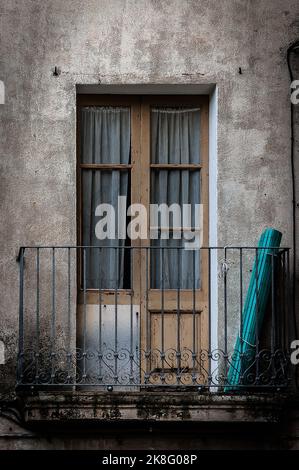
(154, 406)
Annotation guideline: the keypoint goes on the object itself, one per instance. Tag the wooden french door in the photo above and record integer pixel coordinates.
(157, 327)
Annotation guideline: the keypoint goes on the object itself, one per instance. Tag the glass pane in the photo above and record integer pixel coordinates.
(174, 267)
(175, 135)
(102, 269)
(176, 187)
(105, 134)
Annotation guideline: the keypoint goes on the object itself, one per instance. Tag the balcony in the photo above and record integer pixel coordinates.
(160, 331)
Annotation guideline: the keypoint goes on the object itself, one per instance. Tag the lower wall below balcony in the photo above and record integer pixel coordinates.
(49, 422)
(152, 436)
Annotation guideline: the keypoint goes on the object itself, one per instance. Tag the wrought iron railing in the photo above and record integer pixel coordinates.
(147, 317)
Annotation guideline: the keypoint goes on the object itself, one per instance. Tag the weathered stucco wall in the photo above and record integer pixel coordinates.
(128, 42)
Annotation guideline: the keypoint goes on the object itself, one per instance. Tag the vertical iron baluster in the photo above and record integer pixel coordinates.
(225, 312)
(273, 305)
(131, 317)
(285, 294)
(37, 318)
(257, 315)
(137, 349)
(115, 317)
(69, 315)
(283, 301)
(193, 320)
(53, 330)
(21, 317)
(210, 319)
(280, 299)
(288, 307)
(241, 308)
(287, 312)
(161, 250)
(84, 316)
(148, 325)
(178, 353)
(100, 353)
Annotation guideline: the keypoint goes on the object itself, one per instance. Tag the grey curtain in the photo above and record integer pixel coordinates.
(175, 138)
(105, 138)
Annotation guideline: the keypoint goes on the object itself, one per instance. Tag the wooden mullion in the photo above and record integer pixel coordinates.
(145, 340)
(204, 199)
(135, 194)
(105, 166)
(175, 166)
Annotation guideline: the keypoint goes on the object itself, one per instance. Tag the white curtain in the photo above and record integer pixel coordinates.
(175, 138)
(105, 138)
